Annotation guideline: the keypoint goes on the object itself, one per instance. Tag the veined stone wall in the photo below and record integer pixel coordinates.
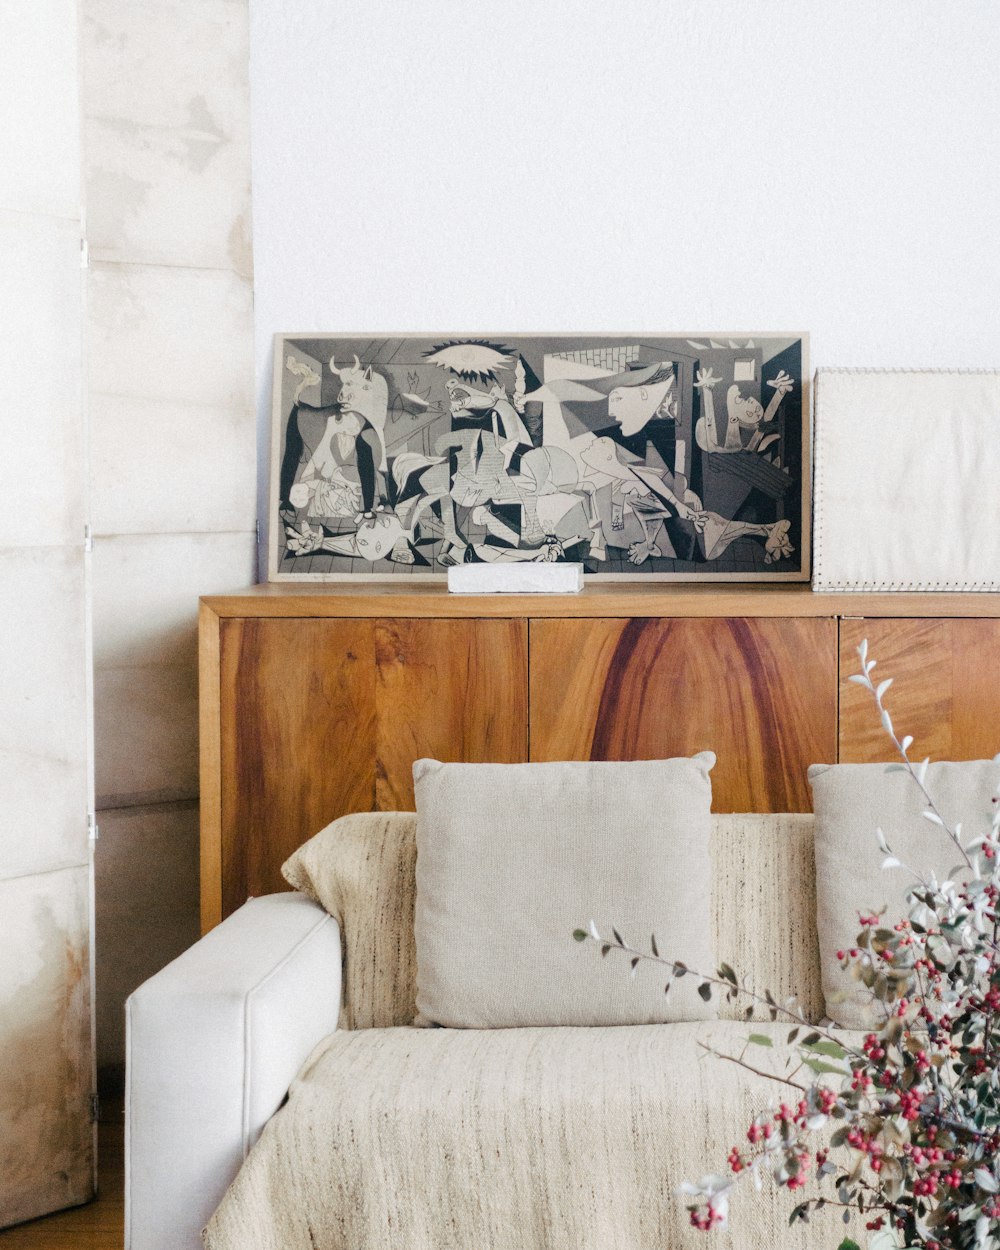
(172, 466)
(46, 1056)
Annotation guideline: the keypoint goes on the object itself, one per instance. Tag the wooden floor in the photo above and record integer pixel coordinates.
(97, 1226)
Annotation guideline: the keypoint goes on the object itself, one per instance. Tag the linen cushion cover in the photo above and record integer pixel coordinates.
(361, 869)
(851, 801)
(511, 858)
(509, 1139)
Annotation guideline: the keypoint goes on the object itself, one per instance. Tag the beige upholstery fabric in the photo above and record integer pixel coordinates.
(511, 858)
(361, 869)
(851, 801)
(764, 906)
(513, 1139)
(522, 1139)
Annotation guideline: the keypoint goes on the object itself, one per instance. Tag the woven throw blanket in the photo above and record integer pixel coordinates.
(511, 1139)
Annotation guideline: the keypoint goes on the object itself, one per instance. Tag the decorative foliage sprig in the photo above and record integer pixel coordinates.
(905, 1126)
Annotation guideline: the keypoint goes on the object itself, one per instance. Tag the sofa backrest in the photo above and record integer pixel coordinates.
(763, 908)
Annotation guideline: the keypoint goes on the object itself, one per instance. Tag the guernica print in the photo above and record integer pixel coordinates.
(641, 456)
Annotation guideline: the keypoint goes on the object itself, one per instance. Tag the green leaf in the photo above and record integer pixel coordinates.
(819, 1067)
(580, 935)
(727, 974)
(760, 1039)
(826, 1048)
(705, 992)
(848, 1244)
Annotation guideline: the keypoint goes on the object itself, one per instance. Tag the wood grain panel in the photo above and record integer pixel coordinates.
(407, 598)
(297, 740)
(761, 693)
(210, 763)
(945, 692)
(451, 690)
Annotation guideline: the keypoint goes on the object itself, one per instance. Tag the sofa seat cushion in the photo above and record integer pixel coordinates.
(547, 1138)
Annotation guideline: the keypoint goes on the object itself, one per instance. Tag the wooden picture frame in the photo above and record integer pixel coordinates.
(670, 457)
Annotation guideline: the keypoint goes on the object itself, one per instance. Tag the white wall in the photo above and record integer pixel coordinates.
(646, 164)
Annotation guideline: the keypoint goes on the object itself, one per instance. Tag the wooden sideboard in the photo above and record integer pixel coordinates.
(315, 701)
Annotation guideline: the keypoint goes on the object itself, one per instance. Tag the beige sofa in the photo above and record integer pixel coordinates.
(413, 1138)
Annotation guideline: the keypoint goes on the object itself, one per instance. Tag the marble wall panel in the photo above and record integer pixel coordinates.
(47, 1142)
(42, 467)
(162, 466)
(40, 105)
(167, 133)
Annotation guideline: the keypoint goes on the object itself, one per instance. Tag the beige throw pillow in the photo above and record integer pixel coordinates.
(511, 858)
(361, 869)
(851, 801)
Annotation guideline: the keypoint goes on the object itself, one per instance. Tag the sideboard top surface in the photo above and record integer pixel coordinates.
(605, 599)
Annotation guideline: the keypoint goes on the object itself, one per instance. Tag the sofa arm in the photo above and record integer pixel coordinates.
(213, 1042)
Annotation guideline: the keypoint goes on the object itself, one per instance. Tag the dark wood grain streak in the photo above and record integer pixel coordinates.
(759, 692)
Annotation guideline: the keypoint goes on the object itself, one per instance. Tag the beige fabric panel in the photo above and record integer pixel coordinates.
(362, 869)
(512, 858)
(852, 801)
(510, 1139)
(764, 906)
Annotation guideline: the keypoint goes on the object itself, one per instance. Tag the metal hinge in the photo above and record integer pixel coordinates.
(88, 539)
(257, 528)
(93, 829)
(95, 1107)
(84, 254)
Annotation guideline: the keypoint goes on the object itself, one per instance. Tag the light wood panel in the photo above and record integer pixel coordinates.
(600, 599)
(450, 690)
(297, 742)
(945, 691)
(760, 693)
(210, 713)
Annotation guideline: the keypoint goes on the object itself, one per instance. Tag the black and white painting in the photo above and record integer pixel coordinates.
(678, 456)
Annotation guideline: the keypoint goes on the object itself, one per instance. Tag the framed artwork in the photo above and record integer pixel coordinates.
(680, 456)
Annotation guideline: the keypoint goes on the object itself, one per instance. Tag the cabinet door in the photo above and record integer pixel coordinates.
(320, 717)
(945, 691)
(449, 690)
(761, 693)
(297, 740)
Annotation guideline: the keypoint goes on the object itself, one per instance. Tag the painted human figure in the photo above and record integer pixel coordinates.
(746, 416)
(482, 449)
(661, 516)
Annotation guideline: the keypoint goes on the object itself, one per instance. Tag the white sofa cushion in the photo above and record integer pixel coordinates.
(512, 858)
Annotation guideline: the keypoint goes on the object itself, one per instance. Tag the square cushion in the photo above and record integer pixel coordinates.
(512, 858)
(851, 801)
